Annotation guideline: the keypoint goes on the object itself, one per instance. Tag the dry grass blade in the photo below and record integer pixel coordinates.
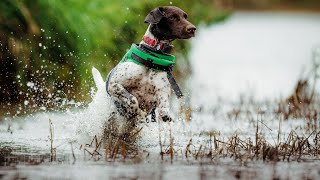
(73, 155)
(188, 149)
(51, 137)
(95, 153)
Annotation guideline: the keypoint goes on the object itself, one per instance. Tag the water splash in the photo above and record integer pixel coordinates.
(74, 125)
(91, 120)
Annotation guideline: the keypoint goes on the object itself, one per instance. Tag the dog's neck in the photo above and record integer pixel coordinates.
(154, 43)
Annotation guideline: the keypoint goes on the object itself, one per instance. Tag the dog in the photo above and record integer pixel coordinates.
(141, 82)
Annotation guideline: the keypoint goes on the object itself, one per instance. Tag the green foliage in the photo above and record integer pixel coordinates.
(63, 39)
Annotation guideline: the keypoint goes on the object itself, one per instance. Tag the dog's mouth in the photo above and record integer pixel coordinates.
(192, 34)
(184, 34)
(188, 35)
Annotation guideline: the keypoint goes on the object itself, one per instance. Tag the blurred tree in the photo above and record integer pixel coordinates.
(17, 28)
(48, 47)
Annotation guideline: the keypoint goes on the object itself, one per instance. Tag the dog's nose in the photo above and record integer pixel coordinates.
(191, 28)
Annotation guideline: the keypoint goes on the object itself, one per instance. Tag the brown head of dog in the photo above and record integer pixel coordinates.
(169, 23)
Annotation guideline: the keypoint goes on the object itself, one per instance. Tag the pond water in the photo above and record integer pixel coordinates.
(260, 52)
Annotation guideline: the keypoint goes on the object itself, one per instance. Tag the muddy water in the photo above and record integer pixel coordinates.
(25, 142)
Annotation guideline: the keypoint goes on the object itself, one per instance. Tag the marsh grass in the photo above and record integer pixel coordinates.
(292, 147)
(304, 102)
(120, 141)
(93, 149)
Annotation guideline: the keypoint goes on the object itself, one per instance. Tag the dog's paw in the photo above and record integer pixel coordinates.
(141, 114)
(138, 114)
(133, 103)
(166, 118)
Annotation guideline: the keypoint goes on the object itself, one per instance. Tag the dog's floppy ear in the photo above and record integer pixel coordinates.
(154, 16)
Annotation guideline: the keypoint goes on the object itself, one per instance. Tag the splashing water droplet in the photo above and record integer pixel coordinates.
(30, 84)
(43, 108)
(26, 102)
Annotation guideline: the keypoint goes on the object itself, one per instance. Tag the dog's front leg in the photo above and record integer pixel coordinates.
(127, 75)
(133, 110)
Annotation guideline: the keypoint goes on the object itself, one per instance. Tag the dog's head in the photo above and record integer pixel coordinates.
(170, 22)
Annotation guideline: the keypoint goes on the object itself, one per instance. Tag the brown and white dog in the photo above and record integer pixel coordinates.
(138, 88)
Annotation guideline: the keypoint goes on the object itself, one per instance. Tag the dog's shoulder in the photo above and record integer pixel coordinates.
(128, 71)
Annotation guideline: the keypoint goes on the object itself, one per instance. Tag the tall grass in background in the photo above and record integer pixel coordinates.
(49, 46)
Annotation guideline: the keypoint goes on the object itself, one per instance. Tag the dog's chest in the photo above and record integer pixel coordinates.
(150, 85)
(147, 85)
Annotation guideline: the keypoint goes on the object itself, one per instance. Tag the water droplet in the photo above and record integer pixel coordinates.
(30, 84)
(43, 108)
(26, 102)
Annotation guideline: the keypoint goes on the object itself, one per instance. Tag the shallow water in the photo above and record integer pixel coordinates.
(25, 141)
(216, 170)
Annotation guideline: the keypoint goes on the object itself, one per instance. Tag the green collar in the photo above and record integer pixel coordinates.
(160, 59)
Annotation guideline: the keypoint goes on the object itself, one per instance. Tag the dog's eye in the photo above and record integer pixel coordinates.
(174, 17)
(185, 16)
